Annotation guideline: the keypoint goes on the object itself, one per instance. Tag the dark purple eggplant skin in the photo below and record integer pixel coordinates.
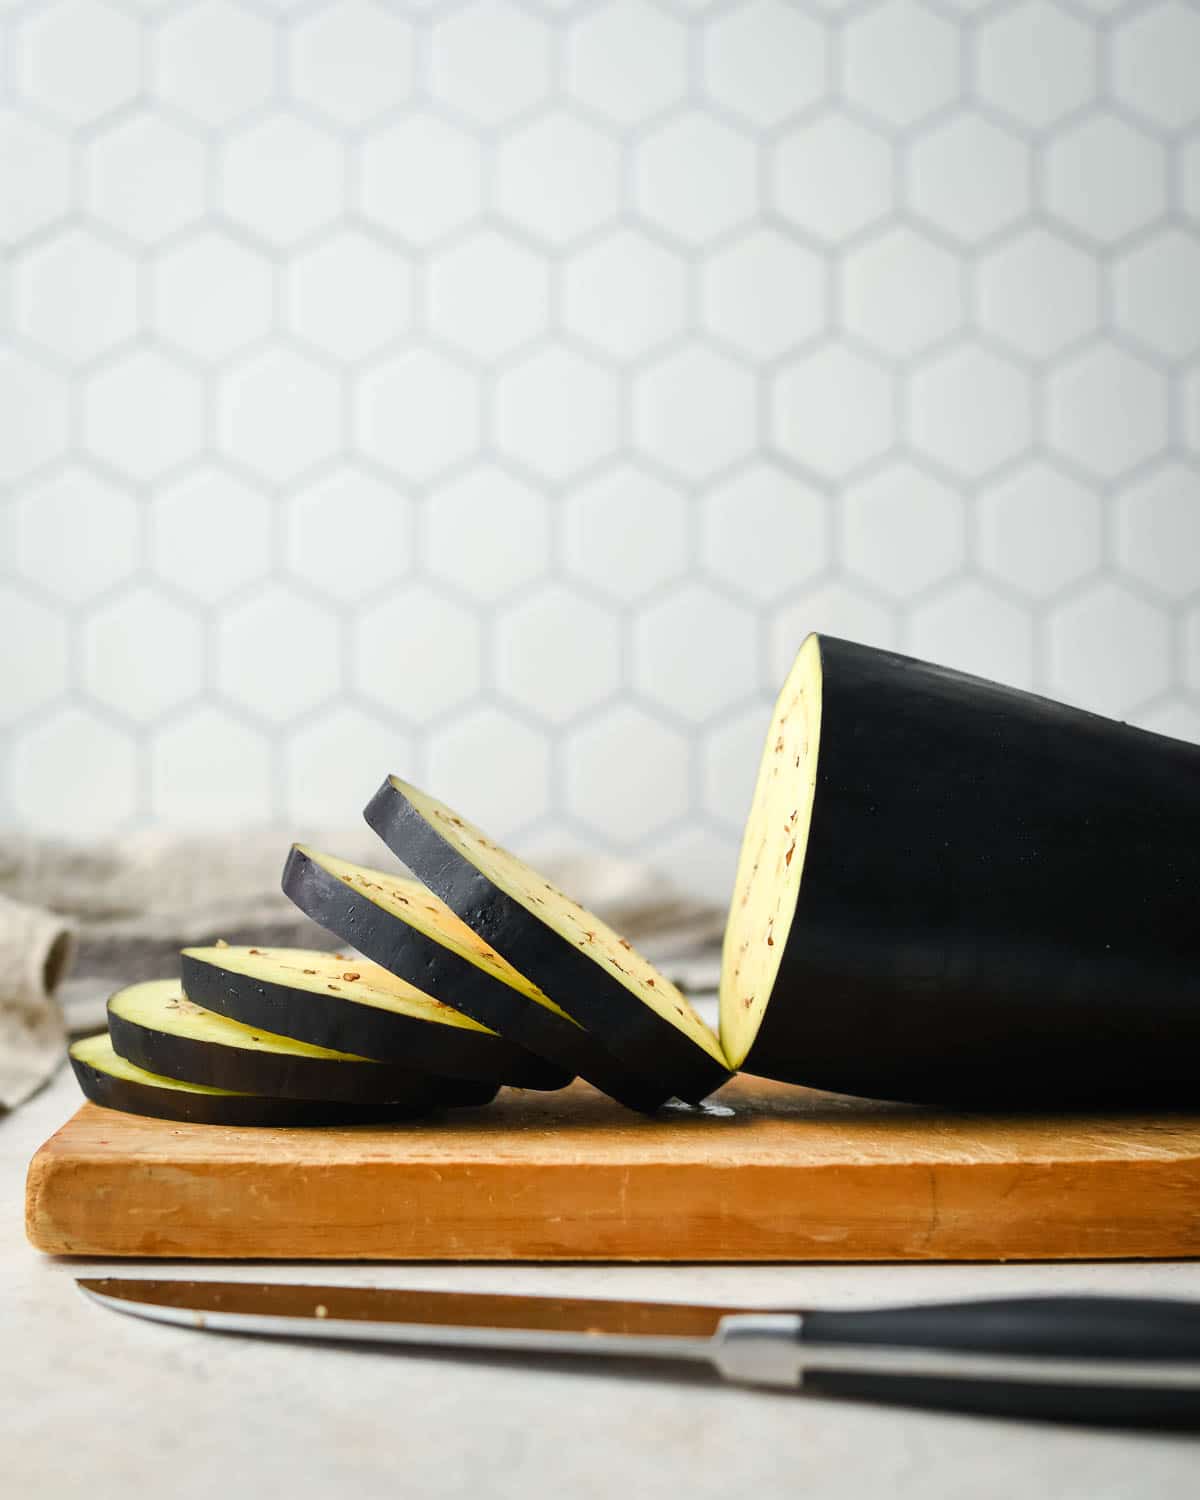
(216, 1109)
(280, 1077)
(666, 1061)
(384, 1036)
(465, 1093)
(1000, 902)
(565, 1049)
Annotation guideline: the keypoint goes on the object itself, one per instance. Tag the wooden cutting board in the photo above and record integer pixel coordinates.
(776, 1174)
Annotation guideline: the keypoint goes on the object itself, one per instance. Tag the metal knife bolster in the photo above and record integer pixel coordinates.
(760, 1348)
(770, 1349)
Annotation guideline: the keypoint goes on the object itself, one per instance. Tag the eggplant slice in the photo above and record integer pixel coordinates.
(953, 892)
(155, 1026)
(591, 971)
(350, 1005)
(409, 931)
(109, 1080)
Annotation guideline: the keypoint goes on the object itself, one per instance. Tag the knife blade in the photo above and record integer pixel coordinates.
(1133, 1361)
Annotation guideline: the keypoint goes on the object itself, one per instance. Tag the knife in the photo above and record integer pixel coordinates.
(1121, 1360)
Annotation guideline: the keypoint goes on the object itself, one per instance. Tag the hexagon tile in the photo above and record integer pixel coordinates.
(498, 391)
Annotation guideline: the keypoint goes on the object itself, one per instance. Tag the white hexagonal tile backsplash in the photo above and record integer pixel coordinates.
(497, 391)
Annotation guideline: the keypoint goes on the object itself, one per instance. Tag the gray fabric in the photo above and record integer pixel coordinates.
(36, 948)
(121, 912)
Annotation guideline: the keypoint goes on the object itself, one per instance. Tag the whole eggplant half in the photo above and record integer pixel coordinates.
(951, 891)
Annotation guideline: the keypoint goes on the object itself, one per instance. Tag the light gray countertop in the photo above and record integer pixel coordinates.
(95, 1405)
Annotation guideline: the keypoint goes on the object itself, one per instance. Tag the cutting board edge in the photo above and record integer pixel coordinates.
(1101, 1209)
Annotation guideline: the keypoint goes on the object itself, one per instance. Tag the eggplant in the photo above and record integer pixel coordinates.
(351, 1005)
(953, 892)
(406, 929)
(156, 1027)
(114, 1083)
(593, 973)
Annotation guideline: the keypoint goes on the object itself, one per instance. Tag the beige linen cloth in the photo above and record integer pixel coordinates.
(76, 921)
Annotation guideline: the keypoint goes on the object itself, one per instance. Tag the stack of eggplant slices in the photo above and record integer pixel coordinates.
(949, 891)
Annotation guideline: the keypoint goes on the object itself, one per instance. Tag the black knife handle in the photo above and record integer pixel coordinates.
(1130, 1361)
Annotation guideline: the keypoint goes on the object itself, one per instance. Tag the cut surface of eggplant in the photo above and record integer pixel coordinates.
(351, 1005)
(771, 862)
(591, 971)
(954, 892)
(156, 1027)
(115, 1083)
(411, 932)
